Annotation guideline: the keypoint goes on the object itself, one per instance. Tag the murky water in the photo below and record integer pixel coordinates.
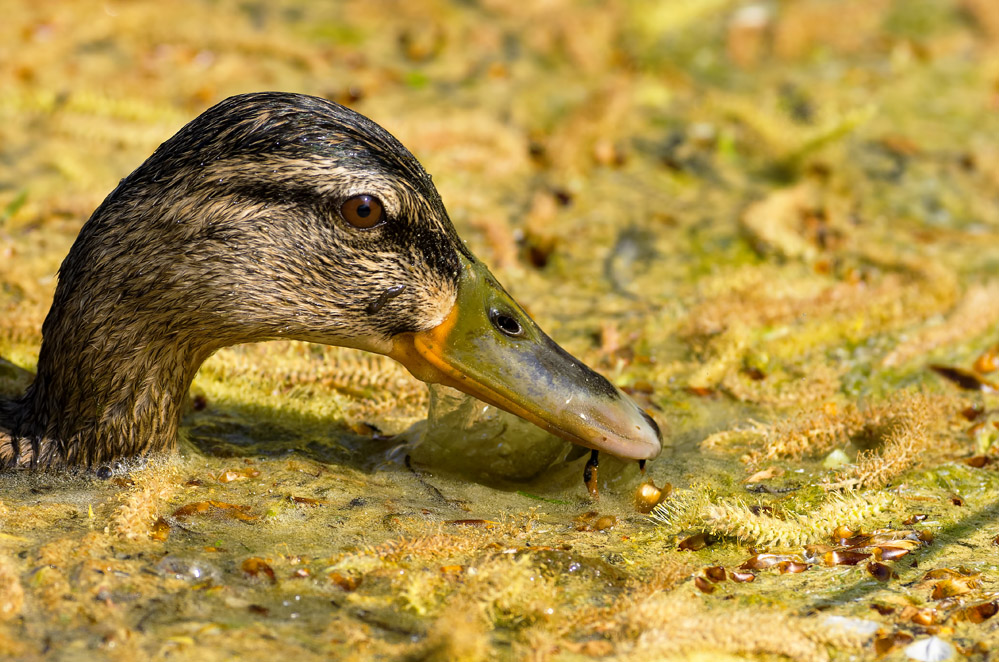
(765, 234)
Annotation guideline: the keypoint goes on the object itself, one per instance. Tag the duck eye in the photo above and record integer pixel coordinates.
(362, 211)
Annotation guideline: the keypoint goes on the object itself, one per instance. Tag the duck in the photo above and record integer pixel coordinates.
(273, 216)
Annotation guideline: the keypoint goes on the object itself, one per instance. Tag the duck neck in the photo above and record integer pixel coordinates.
(105, 391)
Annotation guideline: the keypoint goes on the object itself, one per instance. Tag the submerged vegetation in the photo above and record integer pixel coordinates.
(774, 224)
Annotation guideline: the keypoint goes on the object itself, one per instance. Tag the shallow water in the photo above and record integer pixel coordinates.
(766, 235)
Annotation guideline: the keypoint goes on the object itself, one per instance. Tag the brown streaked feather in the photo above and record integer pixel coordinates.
(229, 233)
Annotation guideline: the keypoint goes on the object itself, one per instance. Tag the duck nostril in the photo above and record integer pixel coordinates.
(505, 324)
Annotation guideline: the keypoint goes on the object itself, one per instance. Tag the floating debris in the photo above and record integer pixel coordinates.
(257, 567)
(648, 496)
(218, 509)
(931, 649)
(965, 379)
(160, 531)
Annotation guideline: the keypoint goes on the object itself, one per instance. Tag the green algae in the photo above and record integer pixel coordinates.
(638, 138)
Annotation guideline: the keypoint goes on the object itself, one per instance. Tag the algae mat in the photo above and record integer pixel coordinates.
(776, 224)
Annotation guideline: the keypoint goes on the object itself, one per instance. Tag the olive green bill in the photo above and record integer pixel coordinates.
(491, 349)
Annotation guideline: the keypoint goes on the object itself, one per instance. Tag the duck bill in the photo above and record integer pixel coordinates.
(491, 349)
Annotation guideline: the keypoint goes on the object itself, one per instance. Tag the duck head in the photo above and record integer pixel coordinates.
(287, 216)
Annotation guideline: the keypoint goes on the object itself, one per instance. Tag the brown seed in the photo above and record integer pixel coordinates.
(880, 571)
(948, 588)
(982, 611)
(259, 609)
(884, 645)
(791, 567)
(762, 561)
(694, 543)
(347, 583)
(257, 567)
(814, 552)
(842, 533)
(972, 412)
(844, 557)
(361, 428)
(918, 517)
(604, 523)
(956, 500)
(995, 541)
(988, 361)
(589, 520)
(889, 553)
(715, 573)
(160, 531)
(861, 540)
(238, 474)
(890, 538)
(764, 474)
(648, 496)
(977, 461)
(741, 577)
(923, 617)
(199, 402)
(704, 585)
(965, 379)
(942, 573)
